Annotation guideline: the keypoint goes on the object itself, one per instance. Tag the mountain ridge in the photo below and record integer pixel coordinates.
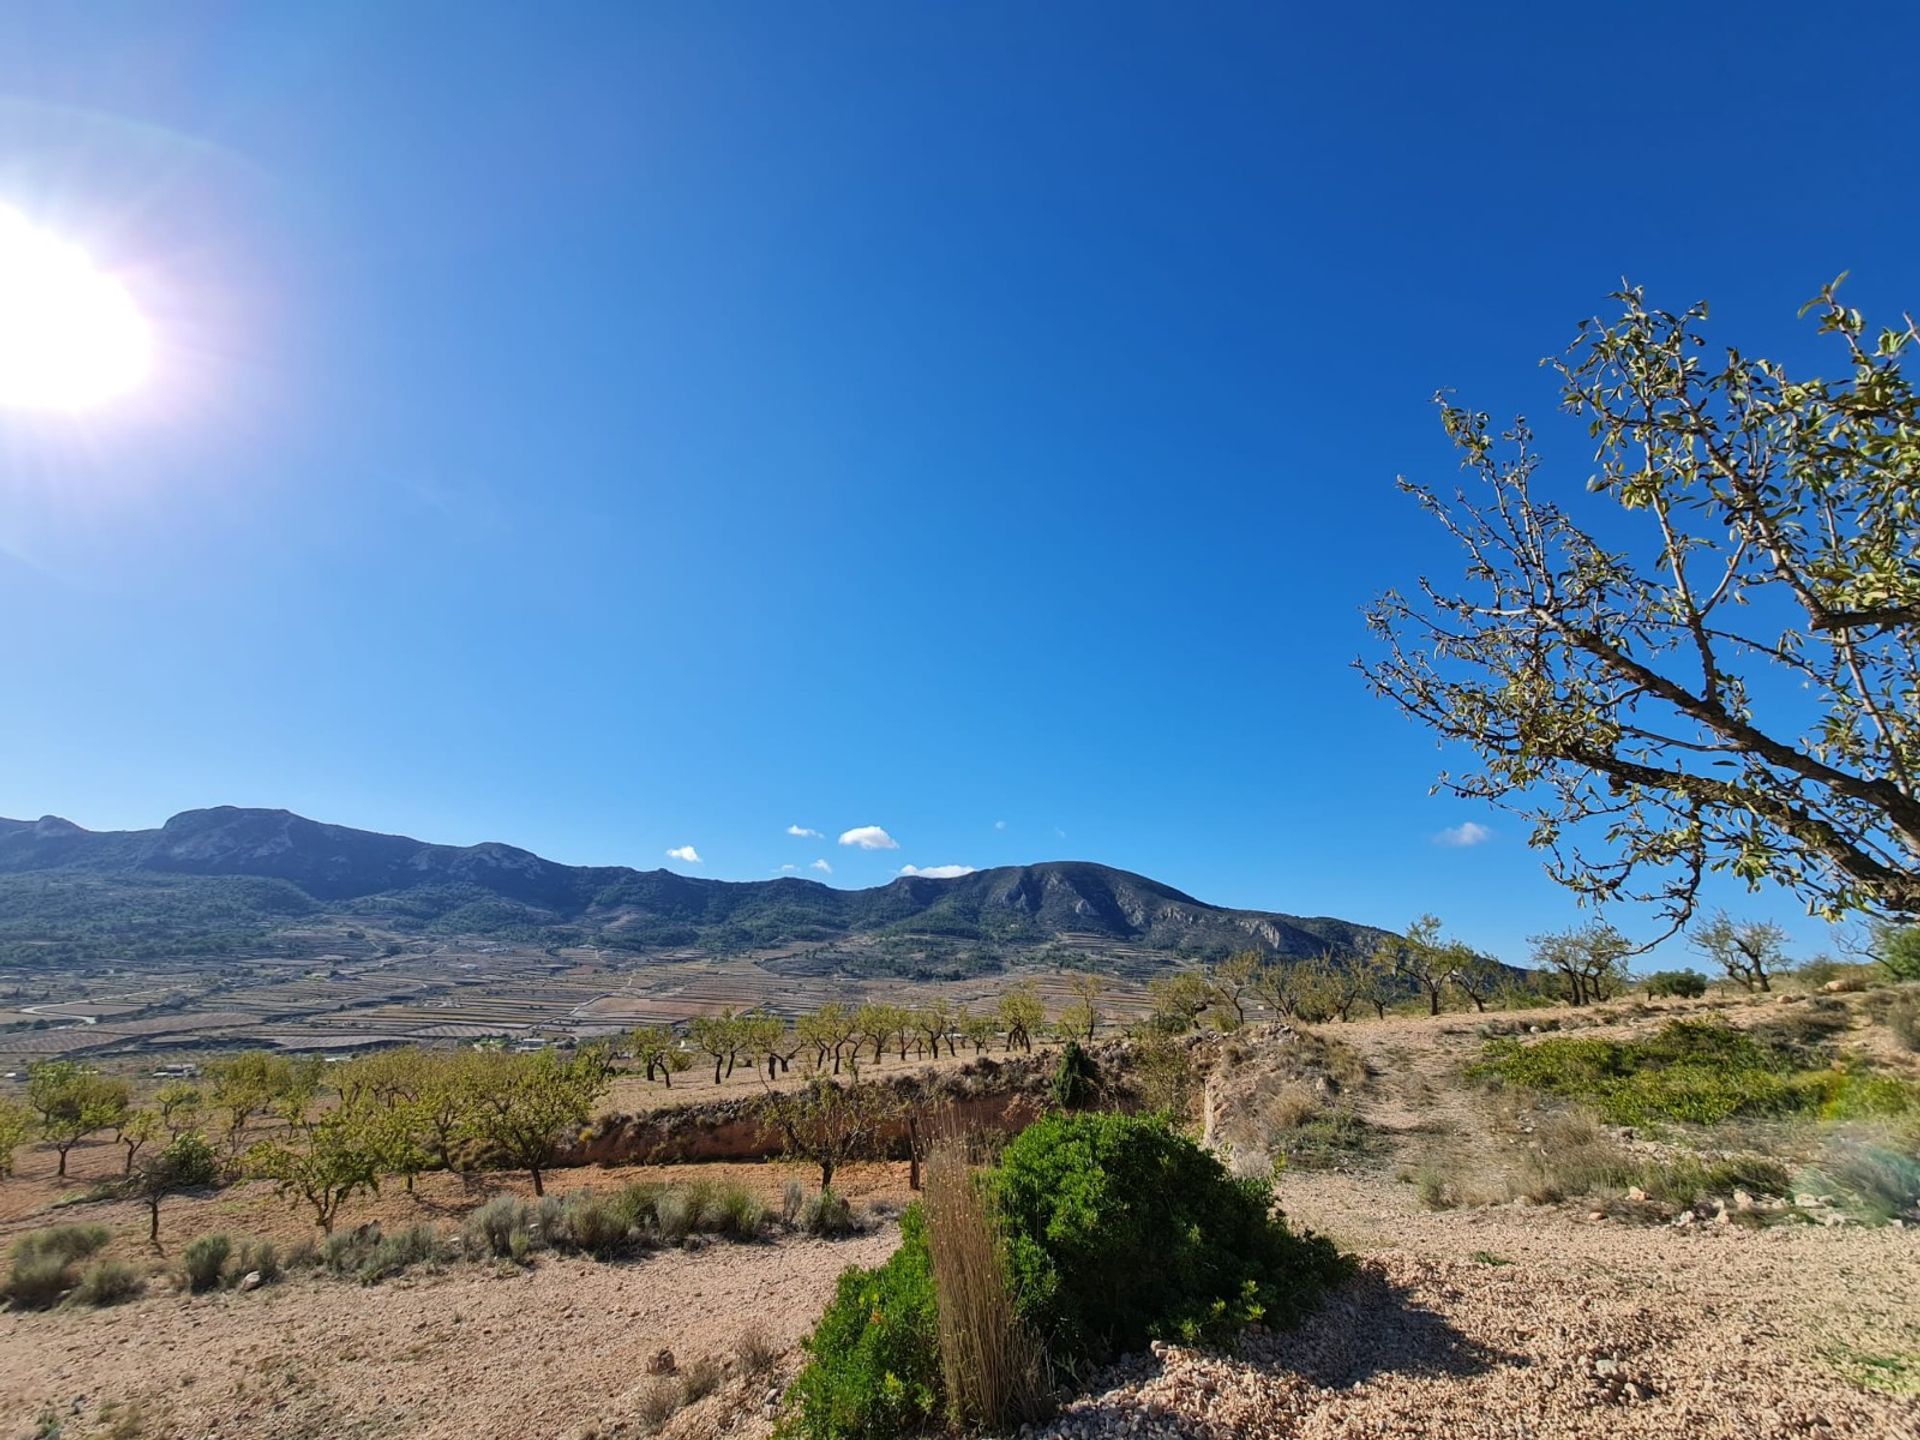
(495, 890)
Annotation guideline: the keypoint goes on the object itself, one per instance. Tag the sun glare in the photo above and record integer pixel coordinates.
(71, 337)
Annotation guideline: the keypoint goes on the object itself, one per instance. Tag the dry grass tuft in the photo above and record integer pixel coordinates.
(996, 1372)
(755, 1349)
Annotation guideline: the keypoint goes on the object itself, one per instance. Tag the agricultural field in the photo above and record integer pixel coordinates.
(1507, 1248)
(350, 995)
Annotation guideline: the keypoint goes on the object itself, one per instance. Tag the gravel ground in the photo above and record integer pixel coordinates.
(1498, 1323)
(561, 1349)
(1563, 1327)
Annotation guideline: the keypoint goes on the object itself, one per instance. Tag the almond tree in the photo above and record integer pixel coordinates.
(1230, 986)
(527, 1106)
(829, 1124)
(16, 1124)
(719, 1036)
(1592, 959)
(1748, 950)
(323, 1164)
(187, 1163)
(1720, 673)
(74, 1103)
(656, 1049)
(880, 1024)
(1081, 1018)
(1021, 1013)
(1179, 1000)
(829, 1030)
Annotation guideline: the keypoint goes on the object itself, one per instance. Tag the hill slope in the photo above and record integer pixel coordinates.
(229, 877)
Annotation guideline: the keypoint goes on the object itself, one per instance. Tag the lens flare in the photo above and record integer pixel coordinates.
(71, 337)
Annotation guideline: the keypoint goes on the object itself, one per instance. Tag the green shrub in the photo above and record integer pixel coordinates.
(380, 1256)
(873, 1361)
(793, 1203)
(69, 1244)
(1686, 984)
(1327, 1140)
(674, 1215)
(599, 1225)
(1700, 1072)
(733, 1211)
(1881, 1183)
(829, 1216)
(1086, 1199)
(254, 1257)
(203, 1259)
(492, 1228)
(38, 1281)
(1688, 1180)
(107, 1282)
(1076, 1078)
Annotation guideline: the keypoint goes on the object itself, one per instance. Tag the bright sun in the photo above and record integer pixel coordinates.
(70, 337)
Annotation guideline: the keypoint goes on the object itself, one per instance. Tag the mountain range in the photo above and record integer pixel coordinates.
(230, 879)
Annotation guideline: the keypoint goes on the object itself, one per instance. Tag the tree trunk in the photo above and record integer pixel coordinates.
(153, 1221)
(826, 1175)
(538, 1187)
(63, 1159)
(716, 1069)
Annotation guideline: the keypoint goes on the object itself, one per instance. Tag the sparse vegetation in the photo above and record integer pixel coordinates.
(1700, 1072)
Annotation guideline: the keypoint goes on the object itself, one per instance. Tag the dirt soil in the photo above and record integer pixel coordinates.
(1514, 1321)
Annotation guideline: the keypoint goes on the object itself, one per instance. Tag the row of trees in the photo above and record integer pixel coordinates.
(321, 1134)
(837, 1038)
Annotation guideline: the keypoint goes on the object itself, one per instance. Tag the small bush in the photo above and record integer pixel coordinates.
(491, 1229)
(1688, 1180)
(69, 1244)
(657, 1401)
(1434, 1188)
(1085, 1197)
(1328, 1140)
(1902, 1017)
(1570, 1156)
(254, 1256)
(793, 1204)
(755, 1350)
(107, 1282)
(38, 1281)
(733, 1211)
(674, 1214)
(829, 1216)
(700, 1379)
(1076, 1079)
(1882, 1184)
(873, 1366)
(389, 1255)
(1686, 984)
(203, 1259)
(601, 1227)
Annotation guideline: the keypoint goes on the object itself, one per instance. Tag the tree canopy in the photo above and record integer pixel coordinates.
(1724, 678)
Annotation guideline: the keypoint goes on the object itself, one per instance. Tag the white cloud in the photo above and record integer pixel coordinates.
(786, 869)
(686, 854)
(1459, 837)
(801, 832)
(869, 837)
(822, 866)
(937, 872)
(999, 824)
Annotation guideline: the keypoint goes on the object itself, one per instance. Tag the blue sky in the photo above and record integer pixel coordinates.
(616, 428)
